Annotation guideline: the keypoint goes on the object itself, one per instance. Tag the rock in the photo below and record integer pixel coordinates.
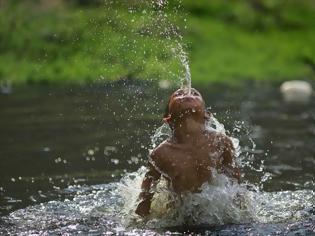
(296, 91)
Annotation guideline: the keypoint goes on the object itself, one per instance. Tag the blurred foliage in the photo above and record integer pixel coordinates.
(84, 40)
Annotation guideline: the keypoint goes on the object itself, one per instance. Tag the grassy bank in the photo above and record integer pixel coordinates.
(224, 40)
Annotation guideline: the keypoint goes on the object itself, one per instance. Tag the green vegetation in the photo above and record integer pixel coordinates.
(83, 41)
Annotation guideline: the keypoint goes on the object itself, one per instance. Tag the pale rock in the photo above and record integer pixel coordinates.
(296, 91)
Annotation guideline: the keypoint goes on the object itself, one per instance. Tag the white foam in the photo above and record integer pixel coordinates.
(219, 202)
(111, 207)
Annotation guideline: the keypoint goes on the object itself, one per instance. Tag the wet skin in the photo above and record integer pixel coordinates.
(187, 159)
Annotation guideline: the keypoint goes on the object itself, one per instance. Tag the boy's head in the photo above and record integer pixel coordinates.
(182, 105)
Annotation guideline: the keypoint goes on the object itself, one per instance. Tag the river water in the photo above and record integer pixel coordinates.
(70, 160)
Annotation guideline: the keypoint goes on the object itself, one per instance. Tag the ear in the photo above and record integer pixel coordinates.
(167, 119)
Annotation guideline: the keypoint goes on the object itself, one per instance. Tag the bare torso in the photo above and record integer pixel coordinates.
(188, 165)
(187, 159)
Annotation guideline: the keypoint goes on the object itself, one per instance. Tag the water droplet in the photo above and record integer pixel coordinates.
(46, 149)
(91, 152)
(115, 161)
(57, 160)
(33, 199)
(109, 149)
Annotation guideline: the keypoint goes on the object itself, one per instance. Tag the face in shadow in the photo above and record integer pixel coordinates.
(183, 105)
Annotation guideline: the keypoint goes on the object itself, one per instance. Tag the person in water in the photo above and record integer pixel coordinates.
(187, 158)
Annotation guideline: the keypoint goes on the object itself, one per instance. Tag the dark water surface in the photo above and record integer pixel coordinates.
(55, 137)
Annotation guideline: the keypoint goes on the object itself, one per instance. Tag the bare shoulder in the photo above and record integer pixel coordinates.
(220, 140)
(159, 153)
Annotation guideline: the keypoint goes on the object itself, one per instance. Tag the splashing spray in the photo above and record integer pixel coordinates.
(180, 53)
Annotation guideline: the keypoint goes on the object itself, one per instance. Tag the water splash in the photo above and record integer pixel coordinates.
(222, 202)
(160, 3)
(162, 133)
(219, 203)
(180, 53)
(109, 209)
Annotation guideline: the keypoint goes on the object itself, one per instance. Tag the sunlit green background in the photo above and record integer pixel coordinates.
(92, 40)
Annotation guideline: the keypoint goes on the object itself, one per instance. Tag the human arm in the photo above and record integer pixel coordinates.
(148, 183)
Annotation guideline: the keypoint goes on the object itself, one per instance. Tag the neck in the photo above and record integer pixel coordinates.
(188, 130)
